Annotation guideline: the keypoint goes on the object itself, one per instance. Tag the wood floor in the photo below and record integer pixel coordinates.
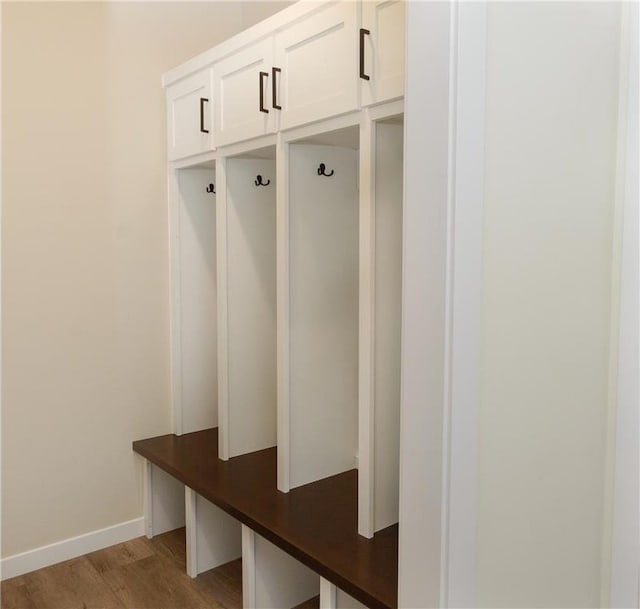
(137, 574)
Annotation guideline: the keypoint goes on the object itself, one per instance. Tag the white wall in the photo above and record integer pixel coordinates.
(551, 125)
(84, 260)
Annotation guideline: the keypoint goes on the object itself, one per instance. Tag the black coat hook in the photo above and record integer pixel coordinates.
(258, 181)
(322, 172)
(211, 188)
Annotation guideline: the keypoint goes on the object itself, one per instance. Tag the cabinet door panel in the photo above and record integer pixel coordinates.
(383, 50)
(237, 81)
(319, 61)
(189, 116)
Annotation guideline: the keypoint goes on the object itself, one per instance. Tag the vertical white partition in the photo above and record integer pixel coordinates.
(388, 312)
(323, 267)
(271, 578)
(248, 406)
(193, 300)
(213, 537)
(163, 501)
(380, 292)
(331, 597)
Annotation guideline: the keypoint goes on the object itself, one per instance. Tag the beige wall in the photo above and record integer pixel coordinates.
(84, 252)
(551, 124)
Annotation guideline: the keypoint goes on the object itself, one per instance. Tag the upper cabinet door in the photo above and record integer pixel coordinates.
(318, 59)
(244, 89)
(189, 116)
(382, 51)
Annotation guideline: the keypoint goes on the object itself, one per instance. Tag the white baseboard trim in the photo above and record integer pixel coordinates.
(19, 564)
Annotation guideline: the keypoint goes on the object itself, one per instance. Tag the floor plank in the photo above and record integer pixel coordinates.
(15, 595)
(172, 545)
(121, 554)
(74, 584)
(150, 583)
(137, 574)
(223, 583)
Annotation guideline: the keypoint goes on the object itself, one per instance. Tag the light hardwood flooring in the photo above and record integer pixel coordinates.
(137, 574)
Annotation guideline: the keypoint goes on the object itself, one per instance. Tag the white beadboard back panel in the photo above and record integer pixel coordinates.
(251, 299)
(196, 292)
(324, 312)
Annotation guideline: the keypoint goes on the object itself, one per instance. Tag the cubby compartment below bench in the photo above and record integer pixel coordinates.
(271, 578)
(213, 537)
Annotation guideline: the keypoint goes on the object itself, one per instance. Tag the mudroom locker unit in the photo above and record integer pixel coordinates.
(285, 169)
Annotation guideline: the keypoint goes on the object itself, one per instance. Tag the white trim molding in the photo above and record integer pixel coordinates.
(625, 532)
(19, 564)
(459, 547)
(442, 270)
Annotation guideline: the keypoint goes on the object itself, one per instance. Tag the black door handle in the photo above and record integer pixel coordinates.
(202, 129)
(274, 96)
(363, 33)
(262, 108)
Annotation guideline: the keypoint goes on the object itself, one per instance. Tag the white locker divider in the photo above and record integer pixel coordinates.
(380, 312)
(271, 578)
(332, 597)
(387, 327)
(247, 278)
(323, 311)
(193, 299)
(163, 501)
(213, 537)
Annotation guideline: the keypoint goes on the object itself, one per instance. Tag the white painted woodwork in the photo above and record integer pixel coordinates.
(251, 301)
(318, 56)
(388, 313)
(381, 176)
(191, 531)
(467, 299)
(332, 597)
(213, 537)
(237, 109)
(323, 271)
(366, 330)
(274, 578)
(185, 137)
(166, 503)
(283, 325)
(461, 529)
(194, 331)
(291, 14)
(346, 601)
(248, 568)
(327, 594)
(147, 499)
(383, 50)
(73, 547)
(425, 295)
(222, 310)
(625, 550)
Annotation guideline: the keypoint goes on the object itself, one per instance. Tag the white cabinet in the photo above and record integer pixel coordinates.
(382, 51)
(244, 94)
(189, 116)
(318, 57)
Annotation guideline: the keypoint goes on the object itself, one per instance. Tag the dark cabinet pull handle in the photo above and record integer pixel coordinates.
(363, 33)
(274, 96)
(202, 129)
(262, 108)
